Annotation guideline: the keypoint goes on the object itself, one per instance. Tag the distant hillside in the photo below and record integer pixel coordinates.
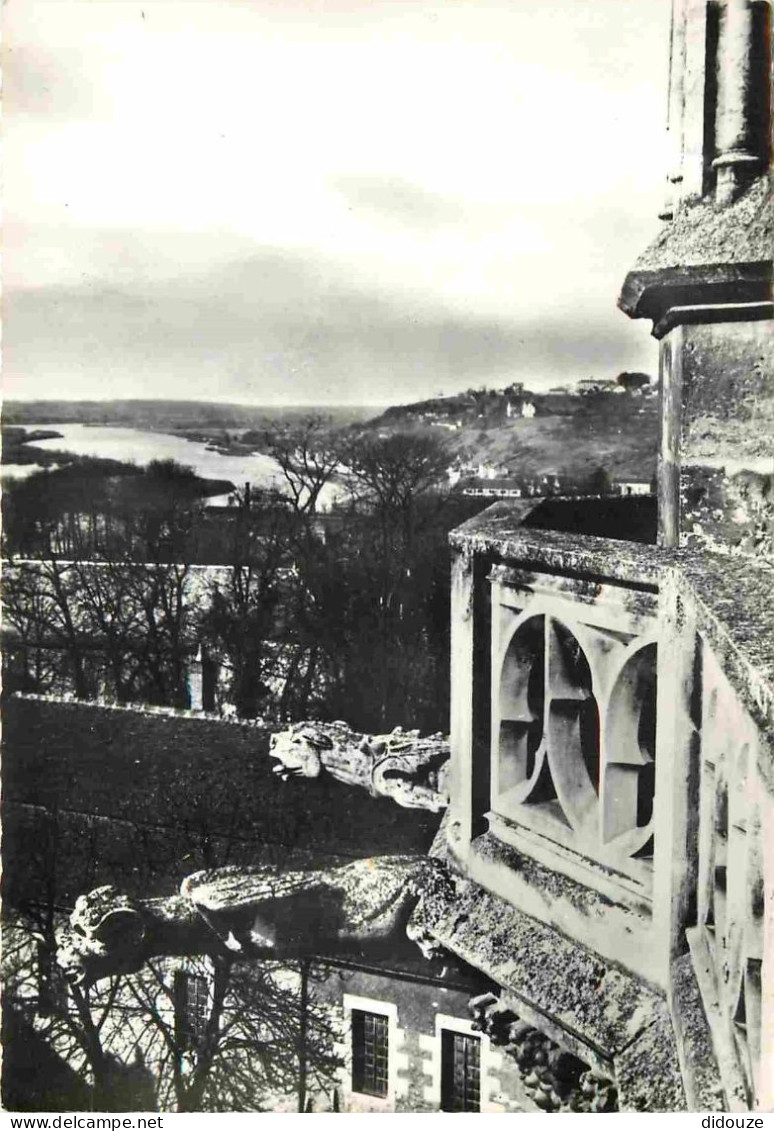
(529, 434)
(170, 415)
(520, 433)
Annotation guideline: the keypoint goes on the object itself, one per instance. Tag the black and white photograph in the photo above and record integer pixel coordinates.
(387, 558)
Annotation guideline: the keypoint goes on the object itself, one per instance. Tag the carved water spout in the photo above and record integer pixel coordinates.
(411, 771)
(256, 912)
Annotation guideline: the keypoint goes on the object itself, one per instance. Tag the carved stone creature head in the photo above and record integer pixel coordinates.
(298, 750)
(105, 937)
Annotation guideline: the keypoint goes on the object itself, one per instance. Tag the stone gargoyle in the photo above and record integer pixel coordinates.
(257, 912)
(412, 771)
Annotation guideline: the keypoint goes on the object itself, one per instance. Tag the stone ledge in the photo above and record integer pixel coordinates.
(491, 931)
(498, 531)
(587, 1004)
(702, 1081)
(554, 885)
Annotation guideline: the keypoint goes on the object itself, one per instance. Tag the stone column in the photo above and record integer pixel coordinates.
(668, 475)
(738, 150)
(675, 111)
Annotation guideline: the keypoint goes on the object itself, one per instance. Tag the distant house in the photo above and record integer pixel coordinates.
(487, 471)
(494, 489)
(525, 409)
(632, 487)
(589, 385)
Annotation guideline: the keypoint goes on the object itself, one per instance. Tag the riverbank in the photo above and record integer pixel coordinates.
(141, 447)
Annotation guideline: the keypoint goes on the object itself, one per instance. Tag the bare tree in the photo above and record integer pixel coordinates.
(396, 481)
(246, 613)
(63, 627)
(308, 457)
(258, 1038)
(394, 471)
(250, 1034)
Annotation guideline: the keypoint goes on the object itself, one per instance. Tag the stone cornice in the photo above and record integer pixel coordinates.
(653, 294)
(708, 256)
(713, 312)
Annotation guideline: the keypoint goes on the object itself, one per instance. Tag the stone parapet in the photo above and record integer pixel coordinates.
(600, 689)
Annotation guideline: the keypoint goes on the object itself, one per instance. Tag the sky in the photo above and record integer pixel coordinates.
(326, 201)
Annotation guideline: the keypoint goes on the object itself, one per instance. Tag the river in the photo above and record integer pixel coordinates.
(133, 445)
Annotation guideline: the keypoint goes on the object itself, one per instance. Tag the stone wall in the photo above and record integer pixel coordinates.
(719, 380)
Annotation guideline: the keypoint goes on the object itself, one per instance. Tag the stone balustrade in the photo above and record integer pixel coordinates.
(612, 768)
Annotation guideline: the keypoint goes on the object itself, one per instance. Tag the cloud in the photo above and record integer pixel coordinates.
(421, 172)
(402, 202)
(278, 327)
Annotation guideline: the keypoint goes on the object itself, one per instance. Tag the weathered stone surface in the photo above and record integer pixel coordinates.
(701, 1078)
(726, 437)
(648, 1070)
(498, 532)
(701, 233)
(410, 770)
(552, 887)
(592, 1000)
(728, 392)
(585, 907)
(718, 255)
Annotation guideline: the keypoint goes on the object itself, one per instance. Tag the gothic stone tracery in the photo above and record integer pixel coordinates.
(573, 721)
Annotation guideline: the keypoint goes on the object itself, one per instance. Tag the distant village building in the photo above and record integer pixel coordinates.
(589, 385)
(525, 409)
(633, 486)
(493, 489)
